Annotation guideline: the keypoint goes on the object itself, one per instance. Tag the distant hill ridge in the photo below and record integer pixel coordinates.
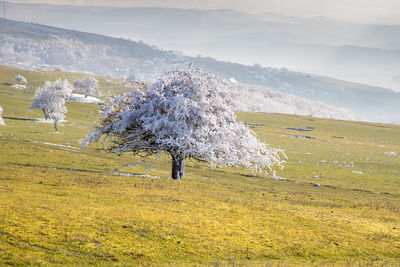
(363, 53)
(34, 46)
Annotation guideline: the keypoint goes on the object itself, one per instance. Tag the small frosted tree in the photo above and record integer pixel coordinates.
(88, 86)
(50, 99)
(20, 79)
(187, 115)
(1, 119)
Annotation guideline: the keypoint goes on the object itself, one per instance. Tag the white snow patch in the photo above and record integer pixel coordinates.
(391, 154)
(51, 144)
(1, 119)
(81, 98)
(135, 175)
(19, 86)
(233, 80)
(116, 173)
(41, 120)
(278, 178)
(301, 137)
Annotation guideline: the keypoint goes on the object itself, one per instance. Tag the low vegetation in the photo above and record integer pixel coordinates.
(337, 201)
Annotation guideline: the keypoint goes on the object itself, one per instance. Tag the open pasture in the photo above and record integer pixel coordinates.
(336, 202)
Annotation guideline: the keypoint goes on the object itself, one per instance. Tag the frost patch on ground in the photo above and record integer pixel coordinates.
(41, 120)
(305, 129)
(135, 175)
(19, 86)
(51, 144)
(81, 98)
(116, 173)
(302, 137)
(34, 119)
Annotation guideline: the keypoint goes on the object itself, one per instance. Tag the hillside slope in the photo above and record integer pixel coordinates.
(356, 52)
(33, 46)
(61, 204)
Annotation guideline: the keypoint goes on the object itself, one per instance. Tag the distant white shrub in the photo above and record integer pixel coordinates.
(253, 98)
(1, 119)
(20, 79)
(88, 86)
(186, 114)
(50, 99)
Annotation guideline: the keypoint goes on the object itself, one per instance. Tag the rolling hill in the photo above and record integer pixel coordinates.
(34, 46)
(349, 51)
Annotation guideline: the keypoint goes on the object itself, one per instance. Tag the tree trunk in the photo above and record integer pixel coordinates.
(178, 166)
(46, 116)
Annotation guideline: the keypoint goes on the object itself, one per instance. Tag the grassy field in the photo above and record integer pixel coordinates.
(51, 213)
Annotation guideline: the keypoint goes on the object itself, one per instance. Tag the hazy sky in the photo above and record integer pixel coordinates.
(369, 11)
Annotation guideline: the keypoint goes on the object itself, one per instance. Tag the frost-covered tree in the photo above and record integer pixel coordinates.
(252, 98)
(50, 99)
(20, 79)
(187, 115)
(1, 119)
(89, 86)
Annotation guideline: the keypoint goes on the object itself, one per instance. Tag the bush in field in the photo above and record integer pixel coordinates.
(1, 119)
(50, 99)
(88, 86)
(187, 115)
(20, 79)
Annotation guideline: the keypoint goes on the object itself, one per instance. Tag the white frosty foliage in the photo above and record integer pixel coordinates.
(20, 79)
(88, 86)
(251, 98)
(50, 99)
(1, 119)
(185, 113)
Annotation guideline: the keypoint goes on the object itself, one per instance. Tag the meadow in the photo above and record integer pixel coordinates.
(336, 201)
